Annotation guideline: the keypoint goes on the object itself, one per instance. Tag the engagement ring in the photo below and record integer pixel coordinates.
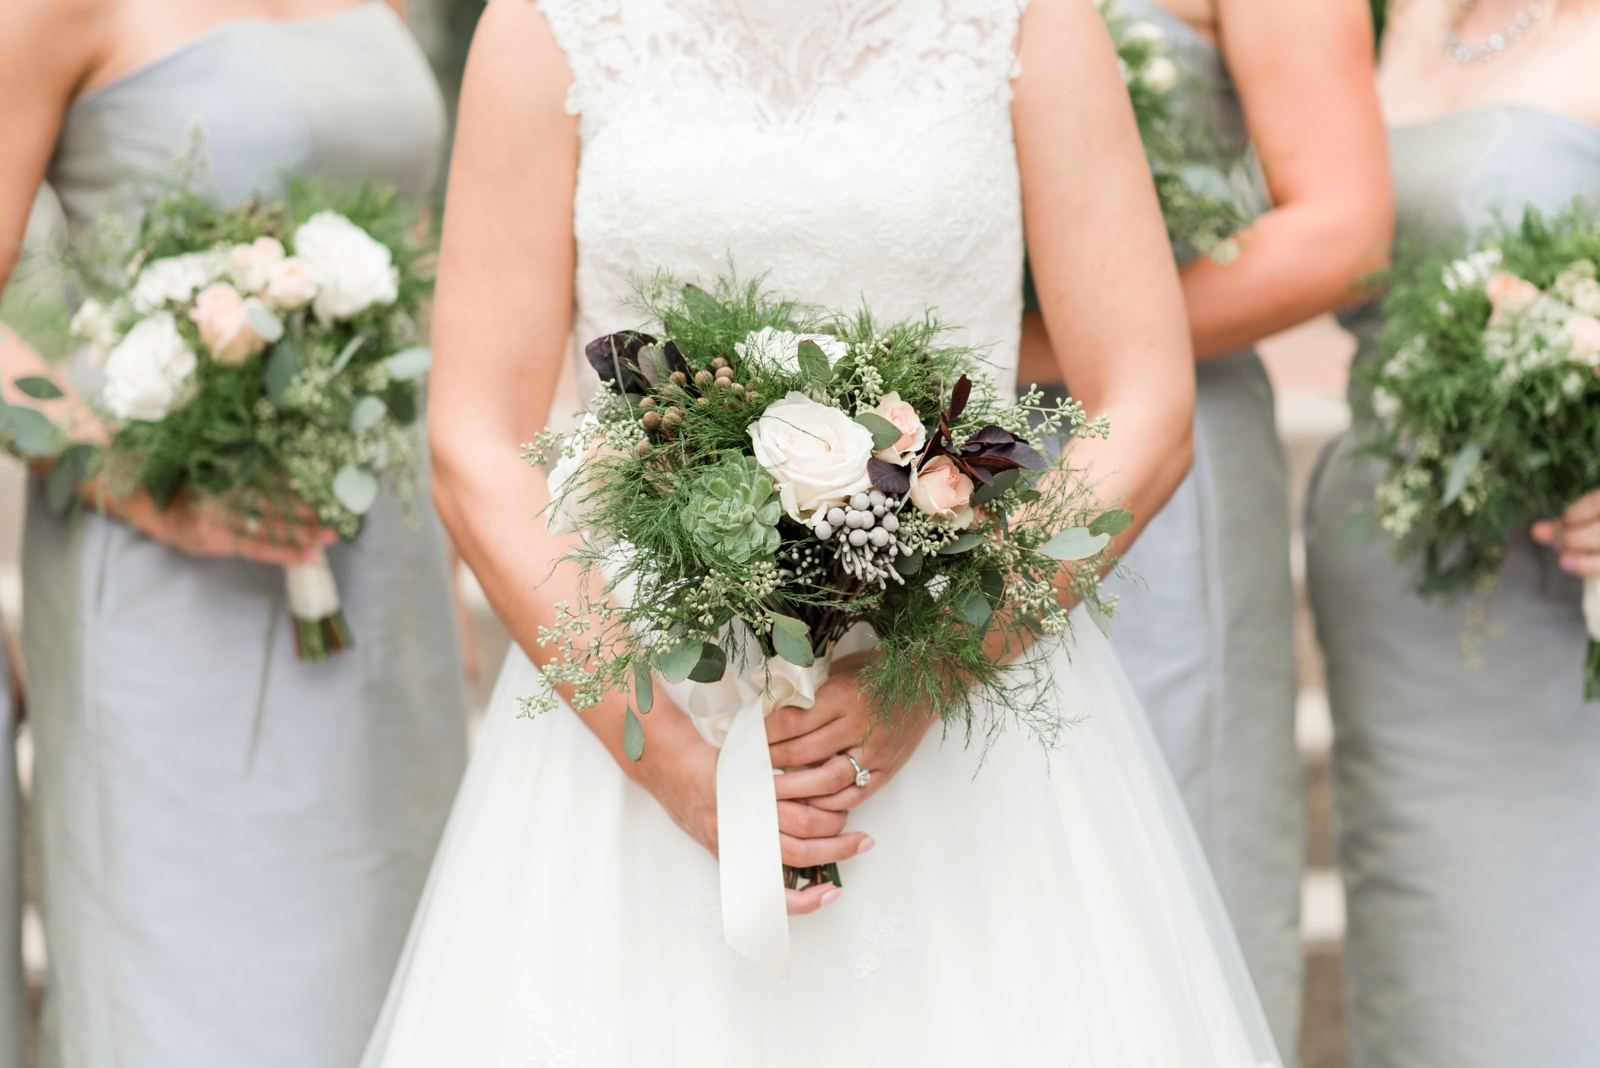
(863, 776)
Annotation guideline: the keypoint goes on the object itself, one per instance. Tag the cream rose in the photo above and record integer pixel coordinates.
(913, 435)
(942, 491)
(1583, 340)
(251, 265)
(176, 279)
(817, 456)
(354, 270)
(1510, 294)
(149, 370)
(290, 285)
(223, 317)
(780, 349)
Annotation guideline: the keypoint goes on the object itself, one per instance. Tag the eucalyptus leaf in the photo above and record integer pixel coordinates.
(368, 413)
(791, 640)
(993, 585)
(711, 666)
(962, 544)
(909, 564)
(1113, 522)
(976, 609)
(1074, 543)
(814, 365)
(1003, 481)
(268, 327)
(33, 435)
(62, 482)
(644, 689)
(678, 661)
(410, 363)
(884, 433)
(633, 736)
(1461, 469)
(282, 367)
(39, 388)
(356, 488)
(1356, 528)
(1101, 620)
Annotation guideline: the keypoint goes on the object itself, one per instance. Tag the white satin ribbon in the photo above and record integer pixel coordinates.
(731, 714)
(313, 594)
(1591, 606)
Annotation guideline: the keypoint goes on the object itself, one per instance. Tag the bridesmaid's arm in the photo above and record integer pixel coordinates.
(502, 317)
(1304, 73)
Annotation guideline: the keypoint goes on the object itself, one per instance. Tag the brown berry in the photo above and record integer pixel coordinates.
(719, 364)
(648, 403)
(703, 379)
(678, 378)
(652, 421)
(642, 449)
(702, 400)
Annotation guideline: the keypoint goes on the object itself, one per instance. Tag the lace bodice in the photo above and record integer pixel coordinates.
(850, 149)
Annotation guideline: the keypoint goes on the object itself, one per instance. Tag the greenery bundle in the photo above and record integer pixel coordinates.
(1488, 404)
(760, 477)
(264, 358)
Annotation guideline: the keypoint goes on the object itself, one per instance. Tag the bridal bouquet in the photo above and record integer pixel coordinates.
(1198, 199)
(263, 358)
(1490, 401)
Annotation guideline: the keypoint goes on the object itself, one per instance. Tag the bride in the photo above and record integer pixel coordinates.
(1026, 908)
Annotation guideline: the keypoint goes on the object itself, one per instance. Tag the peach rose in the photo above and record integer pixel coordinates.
(224, 321)
(1583, 338)
(912, 433)
(250, 265)
(1510, 294)
(942, 491)
(291, 284)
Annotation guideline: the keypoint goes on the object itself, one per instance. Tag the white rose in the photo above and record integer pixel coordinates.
(1161, 75)
(817, 455)
(146, 374)
(251, 265)
(913, 435)
(1586, 296)
(354, 270)
(291, 284)
(780, 349)
(96, 324)
(176, 279)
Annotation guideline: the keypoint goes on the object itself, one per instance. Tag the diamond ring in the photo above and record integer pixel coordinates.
(863, 776)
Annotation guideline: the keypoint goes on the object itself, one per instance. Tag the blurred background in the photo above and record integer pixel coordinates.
(1307, 365)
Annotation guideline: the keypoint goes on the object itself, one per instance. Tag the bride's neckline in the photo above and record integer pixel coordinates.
(209, 34)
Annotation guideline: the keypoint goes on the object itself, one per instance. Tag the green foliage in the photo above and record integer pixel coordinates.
(713, 563)
(1487, 420)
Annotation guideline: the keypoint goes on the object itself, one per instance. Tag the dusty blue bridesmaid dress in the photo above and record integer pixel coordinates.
(1468, 801)
(232, 842)
(13, 985)
(1207, 632)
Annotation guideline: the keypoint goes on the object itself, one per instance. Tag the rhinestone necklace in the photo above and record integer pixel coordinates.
(1469, 55)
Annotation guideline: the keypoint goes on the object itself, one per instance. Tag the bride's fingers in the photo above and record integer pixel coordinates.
(803, 821)
(819, 781)
(790, 722)
(814, 748)
(811, 898)
(810, 852)
(845, 800)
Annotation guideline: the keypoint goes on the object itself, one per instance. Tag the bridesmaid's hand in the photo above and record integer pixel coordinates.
(1576, 534)
(201, 531)
(839, 722)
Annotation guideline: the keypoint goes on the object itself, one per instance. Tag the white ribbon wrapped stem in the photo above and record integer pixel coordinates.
(1591, 606)
(731, 714)
(313, 594)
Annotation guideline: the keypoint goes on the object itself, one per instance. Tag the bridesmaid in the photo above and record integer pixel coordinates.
(231, 842)
(1468, 800)
(1208, 634)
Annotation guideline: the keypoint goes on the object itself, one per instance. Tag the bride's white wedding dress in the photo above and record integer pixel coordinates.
(1040, 910)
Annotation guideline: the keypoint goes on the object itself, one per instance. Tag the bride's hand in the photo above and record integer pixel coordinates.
(840, 722)
(680, 771)
(1576, 534)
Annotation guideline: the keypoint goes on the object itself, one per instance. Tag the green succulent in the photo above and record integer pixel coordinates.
(732, 509)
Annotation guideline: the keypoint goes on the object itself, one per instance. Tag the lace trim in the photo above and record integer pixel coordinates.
(782, 62)
(543, 1051)
(883, 935)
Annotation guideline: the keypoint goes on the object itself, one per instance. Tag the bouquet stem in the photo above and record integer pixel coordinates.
(1591, 619)
(320, 630)
(800, 878)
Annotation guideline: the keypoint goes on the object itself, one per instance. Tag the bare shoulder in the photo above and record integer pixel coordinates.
(515, 56)
(52, 46)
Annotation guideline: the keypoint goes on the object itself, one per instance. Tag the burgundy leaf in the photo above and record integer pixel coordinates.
(958, 397)
(993, 435)
(615, 358)
(1026, 456)
(887, 477)
(990, 461)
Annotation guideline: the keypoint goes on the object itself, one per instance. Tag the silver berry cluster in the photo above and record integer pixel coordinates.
(863, 532)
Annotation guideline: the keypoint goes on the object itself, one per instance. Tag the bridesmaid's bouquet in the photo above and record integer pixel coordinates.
(1198, 198)
(1489, 401)
(265, 359)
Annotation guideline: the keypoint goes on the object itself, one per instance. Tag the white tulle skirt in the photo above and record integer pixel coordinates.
(1042, 909)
